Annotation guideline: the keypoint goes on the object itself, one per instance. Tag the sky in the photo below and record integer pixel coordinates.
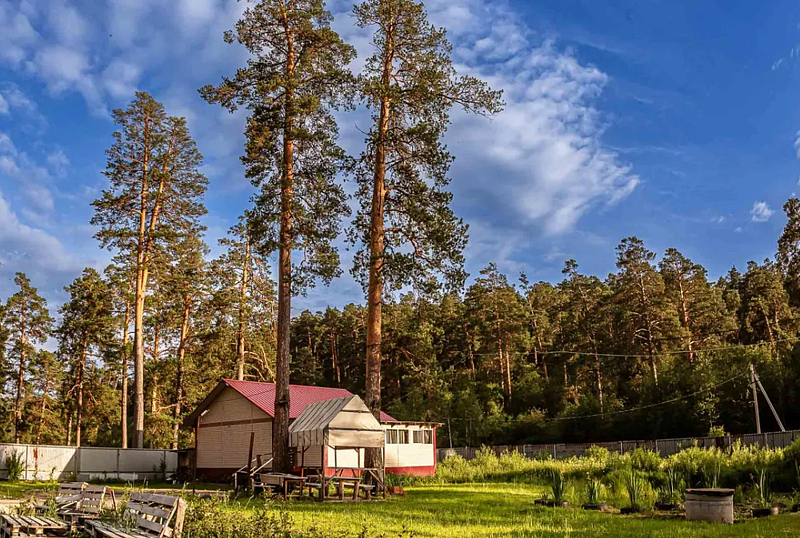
(677, 122)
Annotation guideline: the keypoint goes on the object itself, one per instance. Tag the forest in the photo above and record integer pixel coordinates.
(655, 349)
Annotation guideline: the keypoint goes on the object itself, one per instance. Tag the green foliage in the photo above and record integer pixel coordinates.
(558, 485)
(636, 488)
(671, 491)
(594, 490)
(15, 465)
(763, 486)
(644, 460)
(717, 431)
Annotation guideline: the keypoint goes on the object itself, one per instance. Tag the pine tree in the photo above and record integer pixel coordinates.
(85, 331)
(641, 298)
(295, 76)
(29, 324)
(153, 198)
(121, 278)
(410, 85)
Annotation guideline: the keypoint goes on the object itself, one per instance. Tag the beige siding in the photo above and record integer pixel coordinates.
(226, 446)
(312, 457)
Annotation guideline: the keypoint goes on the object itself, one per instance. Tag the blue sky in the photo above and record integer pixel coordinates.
(673, 121)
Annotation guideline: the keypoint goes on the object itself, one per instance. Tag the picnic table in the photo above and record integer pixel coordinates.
(282, 482)
(22, 526)
(341, 481)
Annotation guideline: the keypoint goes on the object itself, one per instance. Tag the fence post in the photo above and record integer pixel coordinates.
(119, 451)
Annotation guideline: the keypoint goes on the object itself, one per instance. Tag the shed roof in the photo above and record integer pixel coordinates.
(262, 395)
(340, 422)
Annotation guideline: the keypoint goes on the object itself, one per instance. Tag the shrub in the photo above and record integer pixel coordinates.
(15, 466)
(645, 460)
(671, 492)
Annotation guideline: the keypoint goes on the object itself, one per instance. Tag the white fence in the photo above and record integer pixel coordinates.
(665, 447)
(43, 462)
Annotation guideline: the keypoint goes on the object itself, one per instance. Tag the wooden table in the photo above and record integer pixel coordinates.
(282, 481)
(32, 526)
(341, 481)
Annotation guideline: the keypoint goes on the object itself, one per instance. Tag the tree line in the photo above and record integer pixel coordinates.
(139, 344)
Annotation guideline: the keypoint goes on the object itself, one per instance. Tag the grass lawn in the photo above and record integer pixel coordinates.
(495, 510)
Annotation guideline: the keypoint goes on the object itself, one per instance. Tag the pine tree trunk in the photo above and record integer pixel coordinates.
(179, 374)
(685, 320)
(240, 335)
(374, 458)
(23, 358)
(79, 403)
(43, 409)
(280, 423)
(124, 397)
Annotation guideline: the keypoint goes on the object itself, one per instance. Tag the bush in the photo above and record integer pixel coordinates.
(645, 460)
(15, 466)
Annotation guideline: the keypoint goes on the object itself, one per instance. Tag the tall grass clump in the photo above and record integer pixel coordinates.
(594, 490)
(636, 488)
(558, 486)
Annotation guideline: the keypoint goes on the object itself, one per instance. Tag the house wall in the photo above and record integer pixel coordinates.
(223, 439)
(411, 458)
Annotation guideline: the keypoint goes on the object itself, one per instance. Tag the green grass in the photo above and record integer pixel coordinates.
(18, 490)
(494, 510)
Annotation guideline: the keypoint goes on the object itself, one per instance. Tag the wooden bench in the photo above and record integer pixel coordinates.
(92, 502)
(146, 515)
(68, 495)
(368, 490)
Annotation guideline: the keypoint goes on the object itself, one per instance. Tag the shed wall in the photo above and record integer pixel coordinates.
(223, 440)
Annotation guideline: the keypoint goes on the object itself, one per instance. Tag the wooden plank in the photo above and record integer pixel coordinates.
(166, 500)
(149, 510)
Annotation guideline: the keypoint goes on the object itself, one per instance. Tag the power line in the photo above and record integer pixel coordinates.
(633, 409)
(629, 356)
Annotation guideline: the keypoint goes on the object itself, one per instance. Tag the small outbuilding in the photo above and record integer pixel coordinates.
(235, 412)
(331, 438)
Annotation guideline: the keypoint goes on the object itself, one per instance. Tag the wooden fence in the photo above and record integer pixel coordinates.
(665, 447)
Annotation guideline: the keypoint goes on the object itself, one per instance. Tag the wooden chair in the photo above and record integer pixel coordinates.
(146, 515)
(90, 506)
(68, 495)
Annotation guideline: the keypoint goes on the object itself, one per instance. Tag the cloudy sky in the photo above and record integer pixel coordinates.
(674, 121)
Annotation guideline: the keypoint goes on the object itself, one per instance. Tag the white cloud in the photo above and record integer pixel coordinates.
(761, 212)
(29, 249)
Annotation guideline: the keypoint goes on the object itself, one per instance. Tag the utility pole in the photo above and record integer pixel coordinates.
(755, 397)
(769, 402)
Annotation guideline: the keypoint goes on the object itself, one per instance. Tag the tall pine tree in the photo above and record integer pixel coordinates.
(296, 74)
(28, 322)
(154, 197)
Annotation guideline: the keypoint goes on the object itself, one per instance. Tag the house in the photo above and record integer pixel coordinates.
(236, 410)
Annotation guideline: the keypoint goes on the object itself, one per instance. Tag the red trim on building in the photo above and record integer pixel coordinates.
(429, 470)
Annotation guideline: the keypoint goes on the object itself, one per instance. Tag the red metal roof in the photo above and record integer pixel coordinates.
(262, 395)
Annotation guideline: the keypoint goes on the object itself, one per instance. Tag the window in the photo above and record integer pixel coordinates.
(423, 437)
(396, 437)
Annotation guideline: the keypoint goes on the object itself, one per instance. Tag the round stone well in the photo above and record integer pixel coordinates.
(714, 505)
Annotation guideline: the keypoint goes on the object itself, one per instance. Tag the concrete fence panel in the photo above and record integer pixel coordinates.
(665, 447)
(62, 463)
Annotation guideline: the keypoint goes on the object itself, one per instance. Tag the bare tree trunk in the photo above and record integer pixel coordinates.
(374, 458)
(124, 396)
(43, 409)
(240, 336)
(685, 321)
(187, 303)
(79, 404)
(23, 359)
(335, 359)
(280, 423)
